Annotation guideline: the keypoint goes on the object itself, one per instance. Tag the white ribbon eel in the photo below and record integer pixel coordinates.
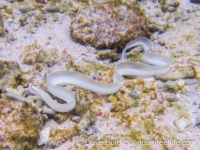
(161, 65)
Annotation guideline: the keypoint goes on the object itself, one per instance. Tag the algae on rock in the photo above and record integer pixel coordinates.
(108, 25)
(1, 24)
(21, 125)
(10, 74)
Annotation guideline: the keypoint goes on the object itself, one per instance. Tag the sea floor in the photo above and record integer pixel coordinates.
(163, 109)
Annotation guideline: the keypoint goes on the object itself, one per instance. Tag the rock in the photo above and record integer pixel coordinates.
(61, 117)
(184, 89)
(12, 37)
(1, 24)
(170, 86)
(40, 3)
(112, 98)
(10, 75)
(94, 128)
(192, 81)
(172, 98)
(11, 90)
(170, 6)
(182, 123)
(20, 90)
(19, 122)
(164, 8)
(9, 10)
(47, 110)
(2, 6)
(154, 28)
(1, 30)
(19, 98)
(22, 19)
(31, 29)
(76, 119)
(72, 87)
(41, 56)
(198, 122)
(195, 1)
(106, 54)
(186, 17)
(44, 136)
(117, 107)
(24, 9)
(39, 103)
(174, 4)
(39, 16)
(134, 94)
(52, 9)
(28, 92)
(135, 54)
(88, 59)
(16, 27)
(176, 75)
(90, 97)
(181, 83)
(10, 20)
(194, 103)
(106, 28)
(45, 117)
(66, 57)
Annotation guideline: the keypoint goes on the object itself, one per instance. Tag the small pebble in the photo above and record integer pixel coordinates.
(90, 97)
(182, 123)
(48, 111)
(76, 119)
(134, 94)
(10, 20)
(24, 9)
(88, 59)
(172, 98)
(94, 128)
(44, 136)
(52, 9)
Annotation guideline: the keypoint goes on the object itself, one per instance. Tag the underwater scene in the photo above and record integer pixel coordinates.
(99, 74)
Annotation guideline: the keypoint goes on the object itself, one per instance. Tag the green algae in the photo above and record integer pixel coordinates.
(135, 135)
(160, 109)
(86, 69)
(53, 2)
(22, 143)
(28, 122)
(133, 57)
(136, 103)
(149, 125)
(10, 74)
(181, 111)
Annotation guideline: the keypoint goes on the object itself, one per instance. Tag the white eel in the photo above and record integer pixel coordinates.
(159, 64)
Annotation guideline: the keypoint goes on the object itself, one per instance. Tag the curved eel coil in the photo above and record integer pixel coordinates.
(159, 64)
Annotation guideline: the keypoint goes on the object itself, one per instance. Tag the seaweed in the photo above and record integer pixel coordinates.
(27, 121)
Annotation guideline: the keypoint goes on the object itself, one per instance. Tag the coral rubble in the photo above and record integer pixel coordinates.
(109, 25)
(1, 24)
(10, 74)
(20, 125)
(150, 109)
(41, 56)
(108, 54)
